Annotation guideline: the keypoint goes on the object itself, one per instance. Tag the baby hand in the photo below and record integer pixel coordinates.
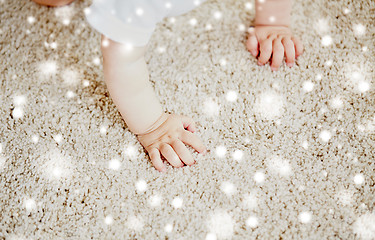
(169, 139)
(275, 40)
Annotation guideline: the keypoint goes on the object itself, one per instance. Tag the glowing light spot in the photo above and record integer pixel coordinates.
(96, 61)
(220, 151)
(103, 130)
(221, 224)
(211, 108)
(108, 220)
(35, 138)
(105, 43)
(141, 185)
(114, 164)
(70, 94)
(327, 40)
(305, 217)
(250, 201)
(86, 83)
(19, 100)
(272, 19)
(363, 86)
(361, 127)
(177, 202)
(168, 5)
(231, 96)
(211, 236)
(322, 26)
(57, 172)
(193, 22)
(345, 197)
(197, 2)
(252, 222)
(325, 135)
(359, 179)
(223, 62)
(154, 201)
(30, 204)
(228, 188)
(66, 21)
(318, 77)
(308, 86)
(248, 5)
(48, 68)
(346, 11)
(87, 11)
(364, 48)
(259, 177)
(58, 138)
(336, 102)
(359, 29)
(139, 11)
(279, 166)
(208, 26)
(131, 151)
(269, 105)
(237, 155)
(241, 27)
(135, 223)
(364, 226)
(31, 19)
(161, 49)
(305, 145)
(17, 112)
(329, 63)
(168, 228)
(172, 20)
(357, 76)
(218, 15)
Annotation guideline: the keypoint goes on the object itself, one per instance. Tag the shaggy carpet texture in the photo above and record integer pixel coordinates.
(291, 153)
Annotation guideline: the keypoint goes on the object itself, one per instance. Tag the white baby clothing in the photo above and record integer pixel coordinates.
(133, 21)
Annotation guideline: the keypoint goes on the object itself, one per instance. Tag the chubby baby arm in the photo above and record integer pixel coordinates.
(271, 38)
(127, 80)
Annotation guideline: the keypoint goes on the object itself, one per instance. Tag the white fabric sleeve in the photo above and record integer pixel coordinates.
(133, 21)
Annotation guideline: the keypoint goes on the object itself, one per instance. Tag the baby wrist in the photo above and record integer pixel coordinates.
(273, 12)
(162, 118)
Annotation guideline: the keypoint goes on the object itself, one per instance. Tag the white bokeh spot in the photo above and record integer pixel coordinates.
(177, 202)
(326, 40)
(114, 164)
(221, 224)
(141, 185)
(325, 135)
(269, 105)
(220, 151)
(364, 226)
(259, 177)
(305, 217)
(228, 188)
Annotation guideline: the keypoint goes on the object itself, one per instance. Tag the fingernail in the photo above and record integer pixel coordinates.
(259, 63)
(273, 68)
(164, 170)
(289, 64)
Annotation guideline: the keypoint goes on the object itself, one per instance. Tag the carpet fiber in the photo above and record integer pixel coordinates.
(291, 153)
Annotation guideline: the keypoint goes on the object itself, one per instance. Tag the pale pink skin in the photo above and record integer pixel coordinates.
(53, 3)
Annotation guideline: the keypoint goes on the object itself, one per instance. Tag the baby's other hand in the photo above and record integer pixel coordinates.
(169, 139)
(275, 41)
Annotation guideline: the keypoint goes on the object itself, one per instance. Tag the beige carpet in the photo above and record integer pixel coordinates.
(291, 152)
